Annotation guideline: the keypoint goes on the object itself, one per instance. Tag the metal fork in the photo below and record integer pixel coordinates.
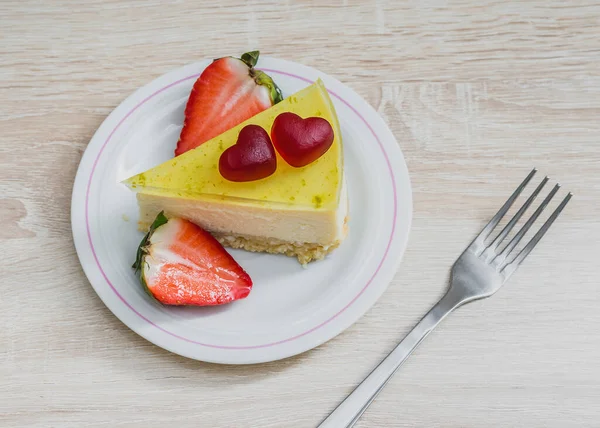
(478, 273)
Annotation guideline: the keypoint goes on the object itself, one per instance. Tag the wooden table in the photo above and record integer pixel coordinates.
(476, 92)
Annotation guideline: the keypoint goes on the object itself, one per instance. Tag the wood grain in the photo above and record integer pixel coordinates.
(476, 93)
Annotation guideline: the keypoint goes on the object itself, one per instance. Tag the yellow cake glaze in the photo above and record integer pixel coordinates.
(195, 174)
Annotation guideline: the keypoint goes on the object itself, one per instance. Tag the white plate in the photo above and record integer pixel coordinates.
(290, 309)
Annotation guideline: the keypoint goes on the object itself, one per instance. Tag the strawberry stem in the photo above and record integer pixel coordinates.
(142, 250)
(261, 78)
(264, 79)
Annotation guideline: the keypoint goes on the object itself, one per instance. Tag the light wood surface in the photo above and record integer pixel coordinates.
(476, 92)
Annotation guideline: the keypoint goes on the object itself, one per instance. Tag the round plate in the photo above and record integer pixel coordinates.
(290, 309)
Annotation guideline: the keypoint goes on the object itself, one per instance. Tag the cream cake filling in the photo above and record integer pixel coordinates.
(286, 223)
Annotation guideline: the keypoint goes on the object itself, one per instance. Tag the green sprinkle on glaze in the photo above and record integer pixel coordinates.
(141, 179)
(318, 113)
(221, 145)
(303, 182)
(317, 201)
(292, 198)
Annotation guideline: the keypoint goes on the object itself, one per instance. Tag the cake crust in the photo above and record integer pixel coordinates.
(304, 252)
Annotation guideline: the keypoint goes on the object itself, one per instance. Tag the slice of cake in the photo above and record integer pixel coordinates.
(296, 211)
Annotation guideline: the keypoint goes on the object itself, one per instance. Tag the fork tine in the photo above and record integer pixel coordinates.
(502, 212)
(512, 266)
(503, 256)
(517, 216)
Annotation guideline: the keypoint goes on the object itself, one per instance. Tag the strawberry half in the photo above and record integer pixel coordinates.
(228, 92)
(180, 263)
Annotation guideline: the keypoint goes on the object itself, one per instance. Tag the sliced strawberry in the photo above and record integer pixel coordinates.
(229, 91)
(180, 263)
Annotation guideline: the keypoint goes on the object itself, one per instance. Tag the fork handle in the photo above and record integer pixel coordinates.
(351, 409)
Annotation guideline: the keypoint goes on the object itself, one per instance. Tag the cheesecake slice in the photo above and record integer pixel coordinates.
(299, 212)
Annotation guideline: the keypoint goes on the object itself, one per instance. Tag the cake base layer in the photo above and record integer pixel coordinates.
(305, 252)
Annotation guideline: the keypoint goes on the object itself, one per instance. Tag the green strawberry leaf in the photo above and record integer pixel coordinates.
(250, 58)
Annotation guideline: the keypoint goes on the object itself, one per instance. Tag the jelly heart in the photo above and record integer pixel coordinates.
(301, 141)
(251, 158)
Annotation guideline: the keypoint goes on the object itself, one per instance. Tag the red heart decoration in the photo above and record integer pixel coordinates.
(301, 141)
(251, 158)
